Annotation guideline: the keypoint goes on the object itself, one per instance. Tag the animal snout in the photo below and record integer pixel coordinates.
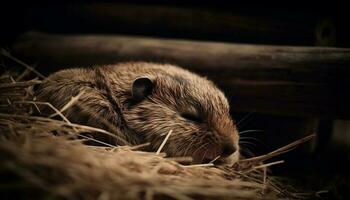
(228, 148)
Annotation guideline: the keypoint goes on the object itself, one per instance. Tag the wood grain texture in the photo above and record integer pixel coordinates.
(306, 81)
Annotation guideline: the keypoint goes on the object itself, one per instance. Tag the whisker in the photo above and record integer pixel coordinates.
(188, 148)
(244, 118)
(181, 149)
(246, 139)
(205, 153)
(246, 151)
(249, 138)
(203, 145)
(250, 131)
(247, 148)
(247, 143)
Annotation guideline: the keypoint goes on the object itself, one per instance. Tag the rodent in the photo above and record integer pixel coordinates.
(144, 101)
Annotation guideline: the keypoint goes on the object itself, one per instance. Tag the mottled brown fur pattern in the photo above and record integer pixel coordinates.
(107, 103)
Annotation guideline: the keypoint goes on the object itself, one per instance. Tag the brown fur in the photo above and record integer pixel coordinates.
(107, 98)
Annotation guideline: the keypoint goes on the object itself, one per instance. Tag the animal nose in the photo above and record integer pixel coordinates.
(228, 149)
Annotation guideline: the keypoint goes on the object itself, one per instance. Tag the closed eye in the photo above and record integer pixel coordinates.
(192, 117)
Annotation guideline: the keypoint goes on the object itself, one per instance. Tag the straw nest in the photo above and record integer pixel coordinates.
(46, 158)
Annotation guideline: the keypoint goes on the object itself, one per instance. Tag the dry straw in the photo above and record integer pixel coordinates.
(45, 158)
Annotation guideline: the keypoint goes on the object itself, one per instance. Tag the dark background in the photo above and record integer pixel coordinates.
(319, 165)
(294, 22)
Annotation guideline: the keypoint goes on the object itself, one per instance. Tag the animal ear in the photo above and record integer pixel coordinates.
(141, 88)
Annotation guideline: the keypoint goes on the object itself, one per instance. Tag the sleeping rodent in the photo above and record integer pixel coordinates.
(141, 102)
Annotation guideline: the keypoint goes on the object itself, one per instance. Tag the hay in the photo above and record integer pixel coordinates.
(45, 158)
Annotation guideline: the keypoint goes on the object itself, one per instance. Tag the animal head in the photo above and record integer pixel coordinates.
(191, 106)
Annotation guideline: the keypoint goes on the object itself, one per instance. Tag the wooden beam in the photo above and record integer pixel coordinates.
(306, 81)
(251, 24)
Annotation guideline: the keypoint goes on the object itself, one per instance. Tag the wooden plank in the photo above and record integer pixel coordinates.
(307, 81)
(248, 24)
